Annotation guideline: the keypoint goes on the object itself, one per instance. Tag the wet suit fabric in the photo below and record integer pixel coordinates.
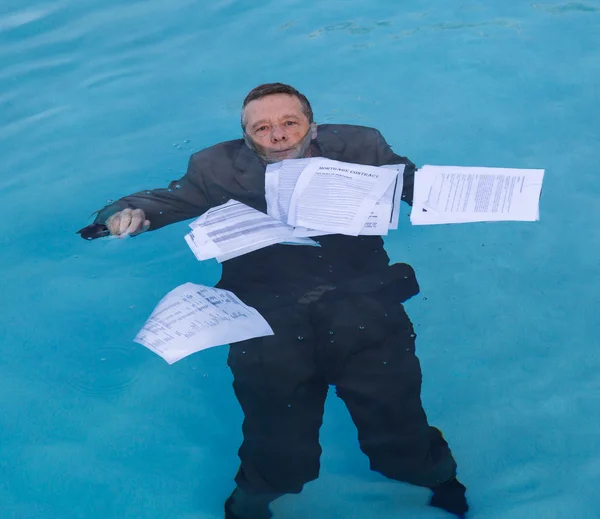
(230, 170)
(338, 320)
(364, 345)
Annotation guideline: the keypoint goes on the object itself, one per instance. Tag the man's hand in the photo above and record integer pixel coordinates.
(128, 222)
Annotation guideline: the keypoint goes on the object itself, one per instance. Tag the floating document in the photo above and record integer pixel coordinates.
(233, 229)
(451, 194)
(384, 216)
(195, 317)
(280, 182)
(337, 197)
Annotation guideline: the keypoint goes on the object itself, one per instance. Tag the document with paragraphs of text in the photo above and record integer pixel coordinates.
(338, 197)
(453, 194)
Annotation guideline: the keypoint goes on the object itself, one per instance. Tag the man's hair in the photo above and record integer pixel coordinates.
(277, 88)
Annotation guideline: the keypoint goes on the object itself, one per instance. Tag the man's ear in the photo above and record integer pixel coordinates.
(313, 129)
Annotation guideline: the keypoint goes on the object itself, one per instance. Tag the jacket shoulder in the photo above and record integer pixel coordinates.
(347, 130)
(227, 150)
(350, 143)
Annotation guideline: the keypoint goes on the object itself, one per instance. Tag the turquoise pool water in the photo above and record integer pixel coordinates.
(100, 99)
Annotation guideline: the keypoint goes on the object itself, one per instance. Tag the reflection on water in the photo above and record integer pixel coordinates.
(98, 100)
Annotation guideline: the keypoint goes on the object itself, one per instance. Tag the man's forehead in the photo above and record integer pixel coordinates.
(273, 105)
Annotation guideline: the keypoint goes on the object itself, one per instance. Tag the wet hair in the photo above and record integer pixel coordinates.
(277, 88)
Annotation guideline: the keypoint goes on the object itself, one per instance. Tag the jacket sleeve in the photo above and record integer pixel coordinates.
(182, 199)
(385, 156)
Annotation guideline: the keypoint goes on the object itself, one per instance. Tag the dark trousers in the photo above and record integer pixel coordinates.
(365, 347)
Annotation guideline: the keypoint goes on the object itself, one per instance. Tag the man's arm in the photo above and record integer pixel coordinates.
(387, 156)
(182, 199)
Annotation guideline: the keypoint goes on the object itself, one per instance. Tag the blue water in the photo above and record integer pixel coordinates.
(99, 99)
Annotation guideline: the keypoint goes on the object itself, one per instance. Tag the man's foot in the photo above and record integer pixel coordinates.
(450, 496)
(241, 505)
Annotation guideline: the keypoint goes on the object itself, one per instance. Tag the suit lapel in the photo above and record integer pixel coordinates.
(251, 171)
(329, 144)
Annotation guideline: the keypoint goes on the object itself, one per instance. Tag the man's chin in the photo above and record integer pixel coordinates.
(277, 156)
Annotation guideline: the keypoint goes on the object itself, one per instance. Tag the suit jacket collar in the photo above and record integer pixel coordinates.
(251, 168)
(329, 144)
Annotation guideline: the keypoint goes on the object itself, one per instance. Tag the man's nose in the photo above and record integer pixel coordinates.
(278, 134)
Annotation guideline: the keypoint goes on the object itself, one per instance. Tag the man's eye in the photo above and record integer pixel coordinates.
(290, 123)
(261, 129)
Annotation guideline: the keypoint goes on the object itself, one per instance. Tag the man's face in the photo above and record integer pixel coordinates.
(277, 129)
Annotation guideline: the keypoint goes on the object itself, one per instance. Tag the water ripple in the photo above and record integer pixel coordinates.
(20, 18)
(106, 78)
(566, 8)
(105, 371)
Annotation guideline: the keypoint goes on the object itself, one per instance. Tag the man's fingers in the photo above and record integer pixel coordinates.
(113, 223)
(126, 217)
(128, 222)
(135, 224)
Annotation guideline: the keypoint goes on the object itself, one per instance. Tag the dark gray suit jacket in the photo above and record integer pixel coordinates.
(230, 170)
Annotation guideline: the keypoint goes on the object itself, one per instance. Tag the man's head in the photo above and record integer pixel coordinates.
(277, 122)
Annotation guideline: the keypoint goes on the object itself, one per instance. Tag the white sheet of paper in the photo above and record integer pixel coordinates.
(233, 229)
(280, 181)
(337, 197)
(419, 215)
(194, 317)
(303, 232)
(201, 245)
(386, 213)
(461, 195)
(397, 194)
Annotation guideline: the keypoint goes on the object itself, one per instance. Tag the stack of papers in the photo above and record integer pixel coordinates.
(321, 196)
(196, 317)
(452, 194)
(305, 197)
(313, 197)
(233, 229)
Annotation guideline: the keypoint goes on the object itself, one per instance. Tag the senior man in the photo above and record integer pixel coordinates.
(336, 311)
